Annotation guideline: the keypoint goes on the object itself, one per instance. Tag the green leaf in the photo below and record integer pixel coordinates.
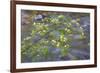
(45, 51)
(64, 52)
(62, 32)
(33, 32)
(69, 31)
(61, 16)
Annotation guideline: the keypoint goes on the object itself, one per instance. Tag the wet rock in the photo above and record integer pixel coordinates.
(81, 54)
(76, 43)
(68, 57)
(85, 23)
(39, 17)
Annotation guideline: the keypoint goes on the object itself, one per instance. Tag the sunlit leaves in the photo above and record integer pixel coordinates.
(64, 50)
(27, 38)
(69, 31)
(55, 21)
(53, 41)
(78, 19)
(33, 32)
(82, 36)
(67, 46)
(62, 37)
(69, 25)
(77, 24)
(61, 17)
(46, 20)
(54, 31)
(75, 20)
(58, 44)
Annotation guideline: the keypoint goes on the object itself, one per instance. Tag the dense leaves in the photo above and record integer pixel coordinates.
(50, 37)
